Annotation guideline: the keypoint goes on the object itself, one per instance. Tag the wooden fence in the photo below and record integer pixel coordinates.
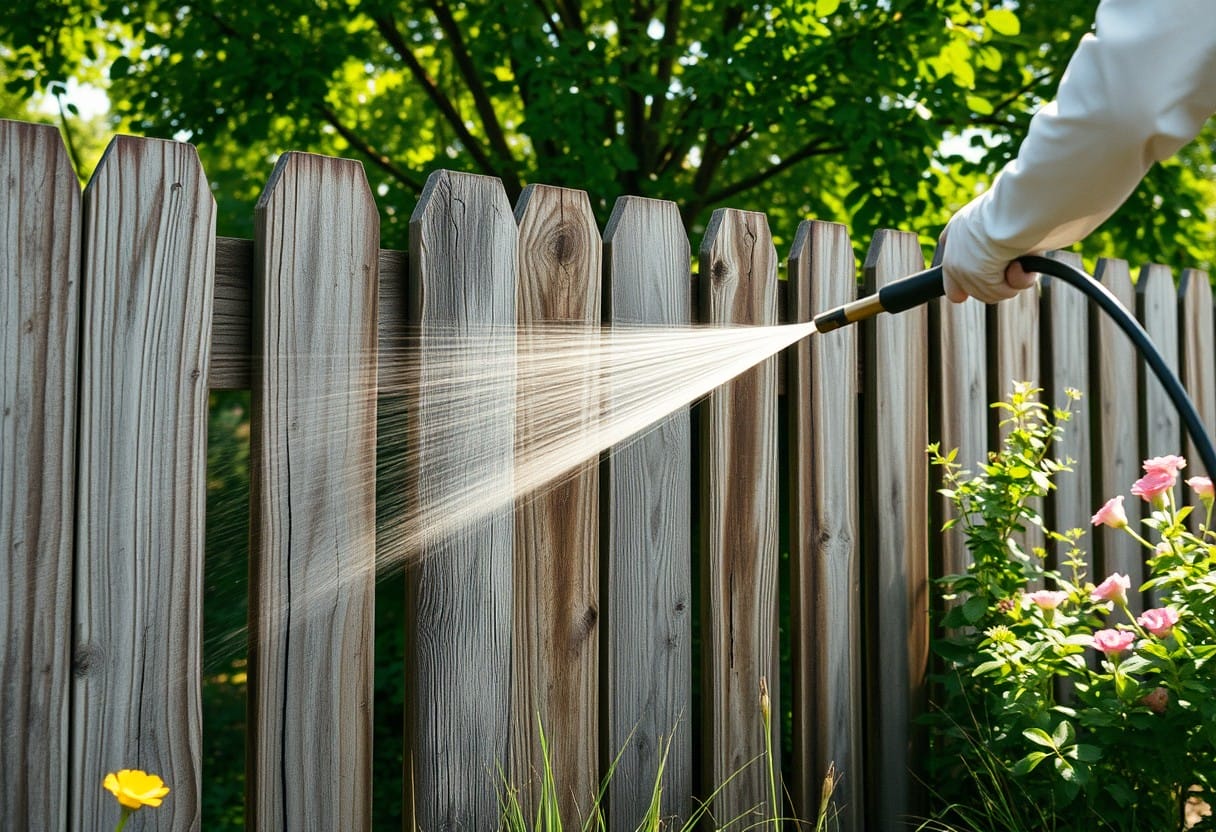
(121, 309)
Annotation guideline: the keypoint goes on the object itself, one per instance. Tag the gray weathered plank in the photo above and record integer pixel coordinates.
(458, 683)
(555, 668)
(149, 273)
(1116, 436)
(895, 537)
(1066, 365)
(959, 411)
(646, 543)
(39, 321)
(1157, 309)
(312, 497)
(1198, 355)
(825, 592)
(738, 524)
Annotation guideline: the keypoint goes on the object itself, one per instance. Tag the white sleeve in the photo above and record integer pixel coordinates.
(1136, 90)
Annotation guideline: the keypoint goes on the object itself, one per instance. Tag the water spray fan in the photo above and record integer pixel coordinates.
(922, 287)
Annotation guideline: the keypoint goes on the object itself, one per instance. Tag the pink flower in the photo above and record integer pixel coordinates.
(1047, 599)
(1113, 642)
(1153, 486)
(1113, 588)
(1158, 621)
(1170, 464)
(1111, 514)
(1202, 487)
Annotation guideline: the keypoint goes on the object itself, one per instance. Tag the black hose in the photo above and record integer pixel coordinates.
(925, 286)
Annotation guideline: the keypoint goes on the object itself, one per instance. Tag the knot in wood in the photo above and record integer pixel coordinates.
(84, 656)
(720, 272)
(562, 245)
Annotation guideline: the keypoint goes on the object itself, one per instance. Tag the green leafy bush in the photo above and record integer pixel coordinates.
(1057, 707)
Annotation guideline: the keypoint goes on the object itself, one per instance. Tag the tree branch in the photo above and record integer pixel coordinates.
(392, 35)
(747, 183)
(481, 96)
(667, 50)
(381, 161)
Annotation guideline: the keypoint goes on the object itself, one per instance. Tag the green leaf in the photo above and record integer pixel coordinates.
(975, 608)
(979, 105)
(1039, 737)
(1003, 22)
(1028, 763)
(1064, 734)
(823, 8)
(120, 68)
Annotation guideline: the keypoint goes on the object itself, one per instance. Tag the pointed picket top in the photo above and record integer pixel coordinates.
(40, 215)
(1198, 352)
(559, 255)
(1117, 426)
(149, 273)
(738, 269)
(463, 241)
(647, 260)
(825, 558)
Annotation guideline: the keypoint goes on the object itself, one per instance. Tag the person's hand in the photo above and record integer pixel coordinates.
(972, 268)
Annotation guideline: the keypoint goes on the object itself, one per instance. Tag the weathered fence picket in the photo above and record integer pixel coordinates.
(647, 546)
(313, 497)
(555, 672)
(148, 270)
(458, 675)
(1116, 438)
(825, 559)
(575, 606)
(39, 325)
(740, 506)
(895, 536)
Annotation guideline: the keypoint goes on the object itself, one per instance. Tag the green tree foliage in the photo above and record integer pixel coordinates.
(831, 108)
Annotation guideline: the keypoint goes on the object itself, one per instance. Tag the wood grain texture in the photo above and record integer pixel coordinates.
(555, 667)
(312, 498)
(646, 544)
(1198, 355)
(895, 536)
(739, 544)
(149, 272)
(825, 583)
(458, 683)
(39, 322)
(959, 412)
(1014, 356)
(1157, 309)
(1116, 430)
(1066, 365)
(231, 365)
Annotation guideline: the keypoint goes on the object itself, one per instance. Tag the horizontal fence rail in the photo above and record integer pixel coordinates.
(574, 612)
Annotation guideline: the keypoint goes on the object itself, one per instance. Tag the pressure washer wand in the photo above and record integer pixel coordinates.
(922, 287)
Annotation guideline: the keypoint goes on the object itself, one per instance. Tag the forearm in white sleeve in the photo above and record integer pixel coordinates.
(1135, 91)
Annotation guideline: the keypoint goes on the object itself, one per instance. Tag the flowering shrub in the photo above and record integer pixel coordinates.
(1057, 707)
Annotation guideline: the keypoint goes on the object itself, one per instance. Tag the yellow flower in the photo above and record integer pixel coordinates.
(136, 789)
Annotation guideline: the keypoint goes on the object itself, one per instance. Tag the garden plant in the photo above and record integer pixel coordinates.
(1056, 706)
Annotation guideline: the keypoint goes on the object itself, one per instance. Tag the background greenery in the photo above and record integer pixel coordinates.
(868, 112)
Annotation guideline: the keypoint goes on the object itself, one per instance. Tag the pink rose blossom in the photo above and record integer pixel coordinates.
(1047, 599)
(1170, 464)
(1113, 642)
(1158, 621)
(1153, 486)
(1113, 588)
(1111, 514)
(1202, 487)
